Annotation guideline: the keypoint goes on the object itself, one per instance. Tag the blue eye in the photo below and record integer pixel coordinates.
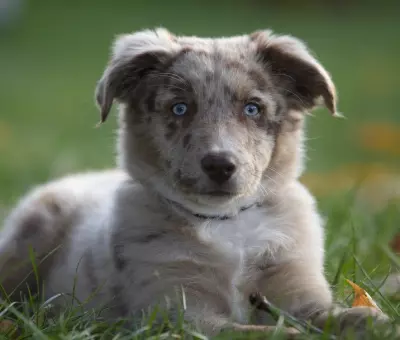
(179, 109)
(251, 109)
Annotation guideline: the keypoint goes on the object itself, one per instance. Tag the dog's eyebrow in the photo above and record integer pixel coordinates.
(259, 78)
(265, 98)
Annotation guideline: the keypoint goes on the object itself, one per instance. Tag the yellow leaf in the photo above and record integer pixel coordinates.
(361, 297)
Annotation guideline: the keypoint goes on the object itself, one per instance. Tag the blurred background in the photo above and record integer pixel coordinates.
(52, 53)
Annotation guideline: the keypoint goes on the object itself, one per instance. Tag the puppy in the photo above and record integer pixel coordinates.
(205, 205)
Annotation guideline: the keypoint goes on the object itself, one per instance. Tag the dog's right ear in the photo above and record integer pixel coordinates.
(133, 56)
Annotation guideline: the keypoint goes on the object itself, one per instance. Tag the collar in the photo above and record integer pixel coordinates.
(211, 217)
(222, 217)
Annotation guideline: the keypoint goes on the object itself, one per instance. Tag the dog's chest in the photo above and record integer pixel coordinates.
(250, 238)
(250, 234)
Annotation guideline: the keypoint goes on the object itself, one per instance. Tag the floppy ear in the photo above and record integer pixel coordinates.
(296, 73)
(133, 56)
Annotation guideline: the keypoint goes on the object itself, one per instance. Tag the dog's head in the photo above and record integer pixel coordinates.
(212, 123)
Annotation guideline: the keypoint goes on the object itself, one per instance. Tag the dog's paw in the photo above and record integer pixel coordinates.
(359, 322)
(360, 316)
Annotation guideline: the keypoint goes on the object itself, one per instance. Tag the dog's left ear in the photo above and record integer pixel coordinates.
(295, 72)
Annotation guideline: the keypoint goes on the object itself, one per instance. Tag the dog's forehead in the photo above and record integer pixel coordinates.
(219, 61)
(212, 52)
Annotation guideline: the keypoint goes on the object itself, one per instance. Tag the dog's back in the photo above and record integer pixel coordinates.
(42, 228)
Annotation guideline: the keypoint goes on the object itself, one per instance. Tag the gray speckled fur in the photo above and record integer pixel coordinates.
(128, 233)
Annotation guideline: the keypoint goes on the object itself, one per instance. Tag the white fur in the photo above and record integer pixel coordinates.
(248, 236)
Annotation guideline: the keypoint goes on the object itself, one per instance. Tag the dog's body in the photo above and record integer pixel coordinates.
(207, 206)
(131, 265)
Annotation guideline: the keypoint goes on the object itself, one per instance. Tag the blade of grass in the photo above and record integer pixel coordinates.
(261, 303)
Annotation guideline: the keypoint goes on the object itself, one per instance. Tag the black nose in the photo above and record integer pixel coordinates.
(219, 166)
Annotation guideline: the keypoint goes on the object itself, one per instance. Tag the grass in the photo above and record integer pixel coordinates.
(51, 59)
(357, 249)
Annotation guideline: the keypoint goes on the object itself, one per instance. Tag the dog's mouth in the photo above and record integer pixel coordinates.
(215, 193)
(219, 193)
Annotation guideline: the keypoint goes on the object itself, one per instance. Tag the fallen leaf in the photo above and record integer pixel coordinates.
(361, 297)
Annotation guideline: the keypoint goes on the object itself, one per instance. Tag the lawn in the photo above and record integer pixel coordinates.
(52, 57)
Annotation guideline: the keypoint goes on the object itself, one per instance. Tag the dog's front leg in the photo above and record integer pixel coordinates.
(302, 290)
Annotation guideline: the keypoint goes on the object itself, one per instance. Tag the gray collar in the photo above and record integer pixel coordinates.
(211, 217)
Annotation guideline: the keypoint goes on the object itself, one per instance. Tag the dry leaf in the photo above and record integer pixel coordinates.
(361, 297)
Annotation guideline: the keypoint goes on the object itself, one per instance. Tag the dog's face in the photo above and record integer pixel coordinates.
(212, 121)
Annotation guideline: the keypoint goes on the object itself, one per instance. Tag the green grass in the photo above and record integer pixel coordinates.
(51, 60)
(356, 249)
